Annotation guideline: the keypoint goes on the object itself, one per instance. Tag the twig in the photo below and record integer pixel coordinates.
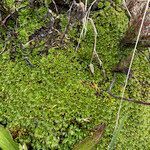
(69, 21)
(125, 99)
(129, 99)
(55, 6)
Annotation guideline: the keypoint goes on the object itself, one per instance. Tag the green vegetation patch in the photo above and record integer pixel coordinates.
(54, 104)
(48, 105)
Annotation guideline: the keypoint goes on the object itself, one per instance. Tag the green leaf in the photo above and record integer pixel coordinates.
(6, 141)
(90, 142)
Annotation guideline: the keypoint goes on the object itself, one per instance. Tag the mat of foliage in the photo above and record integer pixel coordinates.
(55, 104)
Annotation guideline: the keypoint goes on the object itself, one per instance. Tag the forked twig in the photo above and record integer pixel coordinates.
(129, 99)
(124, 98)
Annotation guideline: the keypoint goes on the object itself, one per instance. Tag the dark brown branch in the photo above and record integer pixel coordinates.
(125, 99)
(129, 99)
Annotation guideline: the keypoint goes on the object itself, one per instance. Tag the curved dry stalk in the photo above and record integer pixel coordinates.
(94, 49)
(85, 22)
(4, 49)
(55, 6)
(83, 33)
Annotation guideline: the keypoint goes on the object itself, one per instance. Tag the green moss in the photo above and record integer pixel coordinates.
(47, 106)
(49, 100)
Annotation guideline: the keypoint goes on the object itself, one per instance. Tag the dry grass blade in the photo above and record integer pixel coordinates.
(85, 22)
(90, 142)
(125, 5)
(126, 81)
(94, 49)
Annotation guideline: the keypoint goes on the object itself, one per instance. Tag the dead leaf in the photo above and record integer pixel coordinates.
(90, 142)
(91, 68)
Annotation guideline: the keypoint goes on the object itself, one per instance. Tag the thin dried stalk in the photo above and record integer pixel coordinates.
(94, 49)
(126, 7)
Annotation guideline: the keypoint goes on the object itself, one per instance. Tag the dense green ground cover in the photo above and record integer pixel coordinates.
(55, 104)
